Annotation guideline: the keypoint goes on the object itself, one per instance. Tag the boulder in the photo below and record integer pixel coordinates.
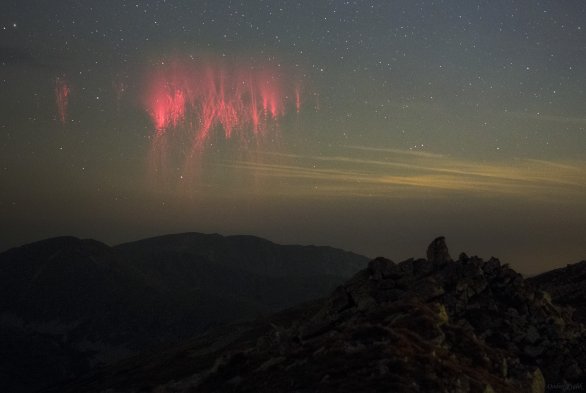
(437, 251)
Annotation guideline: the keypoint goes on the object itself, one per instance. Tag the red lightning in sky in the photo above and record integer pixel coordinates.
(298, 98)
(213, 97)
(189, 100)
(62, 92)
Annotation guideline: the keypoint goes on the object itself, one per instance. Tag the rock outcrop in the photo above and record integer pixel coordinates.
(430, 325)
(422, 325)
(437, 251)
(567, 287)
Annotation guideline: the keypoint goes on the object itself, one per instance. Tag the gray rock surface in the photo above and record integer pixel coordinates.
(437, 251)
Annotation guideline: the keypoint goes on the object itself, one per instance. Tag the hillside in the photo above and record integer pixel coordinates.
(69, 305)
(567, 286)
(427, 325)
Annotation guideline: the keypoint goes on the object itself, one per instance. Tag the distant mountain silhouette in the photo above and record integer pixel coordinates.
(68, 305)
(567, 286)
(433, 325)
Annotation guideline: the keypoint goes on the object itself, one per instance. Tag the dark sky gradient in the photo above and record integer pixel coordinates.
(416, 118)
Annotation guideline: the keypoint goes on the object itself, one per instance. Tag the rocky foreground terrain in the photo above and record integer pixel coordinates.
(427, 325)
(567, 286)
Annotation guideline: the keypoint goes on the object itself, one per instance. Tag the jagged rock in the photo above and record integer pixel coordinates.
(533, 351)
(380, 268)
(417, 326)
(491, 266)
(270, 363)
(488, 389)
(567, 287)
(574, 373)
(404, 322)
(437, 251)
(537, 382)
(532, 335)
(422, 267)
(427, 290)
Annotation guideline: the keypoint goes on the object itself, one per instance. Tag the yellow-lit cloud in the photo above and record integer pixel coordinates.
(394, 173)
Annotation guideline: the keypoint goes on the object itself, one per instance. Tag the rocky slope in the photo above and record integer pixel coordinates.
(433, 325)
(69, 305)
(567, 286)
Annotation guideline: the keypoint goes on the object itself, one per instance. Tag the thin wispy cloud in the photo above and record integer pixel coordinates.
(414, 153)
(406, 173)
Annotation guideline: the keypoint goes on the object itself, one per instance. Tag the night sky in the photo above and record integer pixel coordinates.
(372, 126)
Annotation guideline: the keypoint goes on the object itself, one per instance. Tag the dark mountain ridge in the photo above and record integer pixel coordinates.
(68, 305)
